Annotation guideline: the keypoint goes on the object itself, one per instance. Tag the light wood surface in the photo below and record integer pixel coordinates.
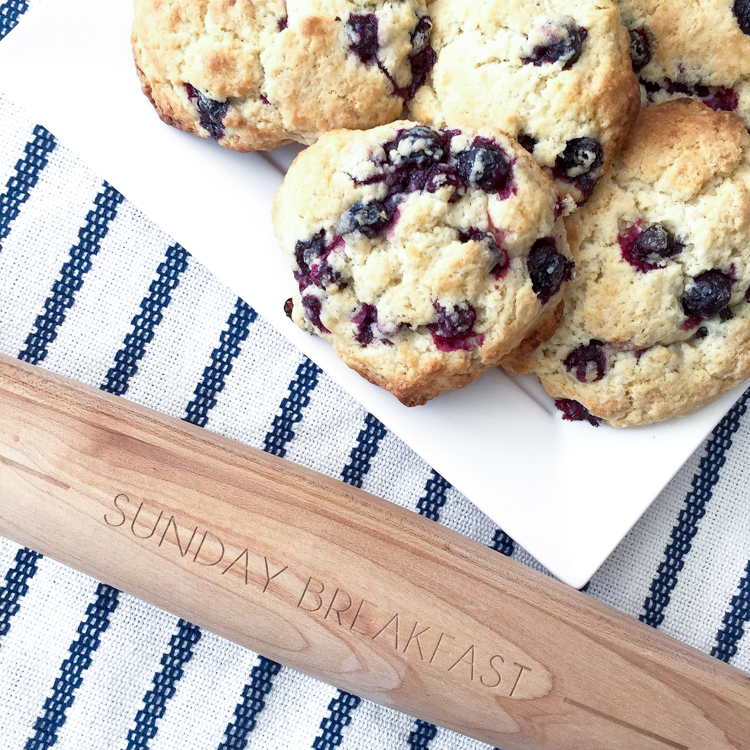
(334, 582)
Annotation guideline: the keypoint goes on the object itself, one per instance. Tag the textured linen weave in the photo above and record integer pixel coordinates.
(93, 290)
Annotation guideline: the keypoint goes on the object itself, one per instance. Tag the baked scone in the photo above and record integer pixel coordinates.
(423, 257)
(683, 48)
(555, 75)
(254, 74)
(657, 320)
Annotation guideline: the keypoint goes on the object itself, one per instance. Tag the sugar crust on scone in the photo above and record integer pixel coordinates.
(657, 321)
(418, 276)
(255, 74)
(548, 72)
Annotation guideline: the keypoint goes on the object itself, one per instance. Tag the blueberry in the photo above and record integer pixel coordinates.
(500, 256)
(309, 252)
(741, 10)
(418, 147)
(283, 23)
(313, 306)
(311, 256)
(548, 269)
(367, 218)
(421, 64)
(420, 35)
(528, 142)
(574, 412)
(453, 324)
(485, 166)
(364, 320)
(289, 308)
(701, 333)
(363, 36)
(709, 295)
(580, 157)
(646, 250)
(582, 358)
(640, 49)
(211, 112)
(566, 46)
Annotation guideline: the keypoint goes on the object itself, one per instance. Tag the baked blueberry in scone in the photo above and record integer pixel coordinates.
(689, 49)
(657, 320)
(424, 256)
(254, 74)
(555, 75)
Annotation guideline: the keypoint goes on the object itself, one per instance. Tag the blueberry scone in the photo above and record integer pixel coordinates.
(700, 50)
(555, 75)
(657, 320)
(423, 256)
(254, 74)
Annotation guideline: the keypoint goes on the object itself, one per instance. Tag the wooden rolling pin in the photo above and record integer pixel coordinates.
(342, 585)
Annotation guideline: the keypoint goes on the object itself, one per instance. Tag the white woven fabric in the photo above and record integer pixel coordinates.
(150, 323)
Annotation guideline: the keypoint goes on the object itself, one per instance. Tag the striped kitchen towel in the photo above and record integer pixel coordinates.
(93, 290)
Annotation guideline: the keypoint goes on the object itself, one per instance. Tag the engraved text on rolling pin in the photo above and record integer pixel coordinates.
(503, 668)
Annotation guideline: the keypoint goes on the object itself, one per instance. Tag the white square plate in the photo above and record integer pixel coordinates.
(566, 492)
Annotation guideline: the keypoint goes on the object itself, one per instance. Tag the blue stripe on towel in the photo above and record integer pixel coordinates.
(252, 703)
(173, 662)
(684, 532)
(434, 498)
(26, 175)
(305, 380)
(222, 359)
(16, 586)
(733, 625)
(502, 543)
(332, 726)
(144, 323)
(10, 12)
(90, 631)
(421, 736)
(72, 275)
(368, 443)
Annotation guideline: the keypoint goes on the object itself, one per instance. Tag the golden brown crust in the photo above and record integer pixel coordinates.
(628, 348)
(429, 254)
(279, 77)
(481, 78)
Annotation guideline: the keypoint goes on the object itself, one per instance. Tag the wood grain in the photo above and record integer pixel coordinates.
(341, 585)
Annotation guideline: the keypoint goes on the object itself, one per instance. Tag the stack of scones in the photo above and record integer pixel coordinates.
(552, 187)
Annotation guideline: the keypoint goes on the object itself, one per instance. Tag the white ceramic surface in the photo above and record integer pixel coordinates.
(568, 493)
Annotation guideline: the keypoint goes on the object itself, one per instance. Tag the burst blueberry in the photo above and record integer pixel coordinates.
(565, 46)
(548, 269)
(313, 306)
(484, 165)
(363, 321)
(572, 411)
(363, 37)
(528, 142)
(710, 293)
(640, 49)
(417, 147)
(369, 219)
(647, 250)
(309, 252)
(500, 261)
(588, 361)
(453, 323)
(741, 10)
(211, 112)
(580, 157)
